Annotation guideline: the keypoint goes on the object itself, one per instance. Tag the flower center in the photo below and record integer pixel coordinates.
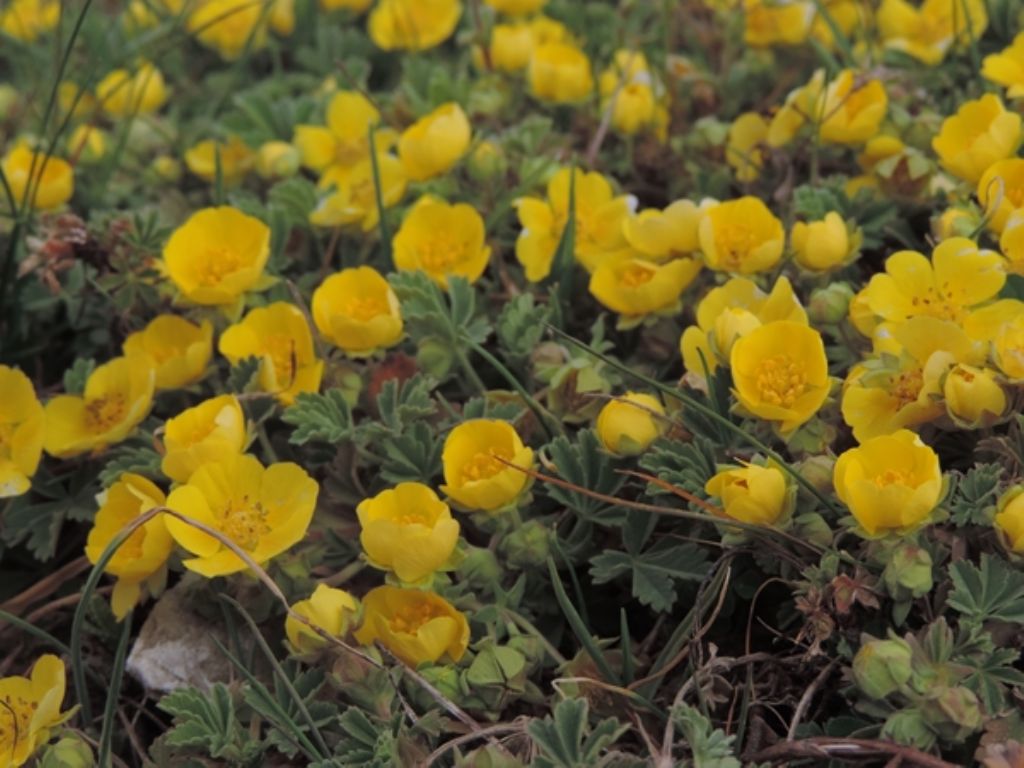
(6, 438)
(636, 275)
(244, 522)
(907, 386)
(281, 350)
(216, 264)
(132, 547)
(410, 618)
(891, 477)
(735, 243)
(939, 303)
(15, 719)
(780, 380)
(484, 464)
(441, 253)
(365, 308)
(102, 413)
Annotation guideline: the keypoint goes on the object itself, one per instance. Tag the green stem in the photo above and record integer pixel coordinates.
(550, 424)
(527, 626)
(113, 693)
(471, 374)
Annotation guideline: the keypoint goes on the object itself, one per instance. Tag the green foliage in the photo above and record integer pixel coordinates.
(565, 738)
(993, 592)
(685, 465)
(584, 463)
(429, 312)
(36, 520)
(325, 417)
(76, 376)
(655, 570)
(209, 722)
(973, 494)
(520, 327)
(137, 457)
(709, 747)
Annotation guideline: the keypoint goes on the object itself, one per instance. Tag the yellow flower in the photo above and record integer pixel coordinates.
(1008, 349)
(974, 399)
(217, 255)
(180, 350)
(51, 179)
(633, 108)
(201, 435)
(475, 473)
(741, 236)
(955, 222)
(802, 105)
(330, 609)
(416, 626)
(1001, 191)
(1009, 520)
(729, 311)
(559, 72)
(356, 310)
(669, 234)
(279, 336)
(26, 20)
(516, 7)
(262, 510)
(958, 277)
(743, 149)
(849, 15)
(1011, 242)
(636, 288)
(345, 141)
(599, 223)
(825, 244)
(928, 32)
(32, 709)
(282, 16)
(277, 160)
(122, 93)
(627, 425)
(352, 195)
(751, 494)
(890, 483)
(413, 25)
(511, 46)
(435, 143)
(780, 373)
(87, 143)
(408, 530)
(140, 564)
(852, 110)
(117, 397)
(442, 240)
(903, 389)
(234, 156)
(22, 428)
(980, 133)
(777, 23)
(1006, 68)
(229, 27)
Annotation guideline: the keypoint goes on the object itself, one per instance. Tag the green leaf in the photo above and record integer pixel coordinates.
(76, 376)
(973, 494)
(402, 404)
(37, 524)
(520, 326)
(242, 376)
(207, 721)
(654, 572)
(686, 465)
(295, 197)
(584, 463)
(413, 456)
(325, 417)
(564, 740)
(710, 747)
(993, 592)
(140, 458)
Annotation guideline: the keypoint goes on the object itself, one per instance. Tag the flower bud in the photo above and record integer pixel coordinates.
(434, 357)
(955, 222)
(908, 572)
(626, 426)
(961, 711)
(479, 568)
(823, 245)
(1009, 521)
(69, 752)
(277, 160)
(817, 470)
(974, 399)
(527, 546)
(166, 168)
(753, 494)
(882, 666)
(830, 305)
(487, 162)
